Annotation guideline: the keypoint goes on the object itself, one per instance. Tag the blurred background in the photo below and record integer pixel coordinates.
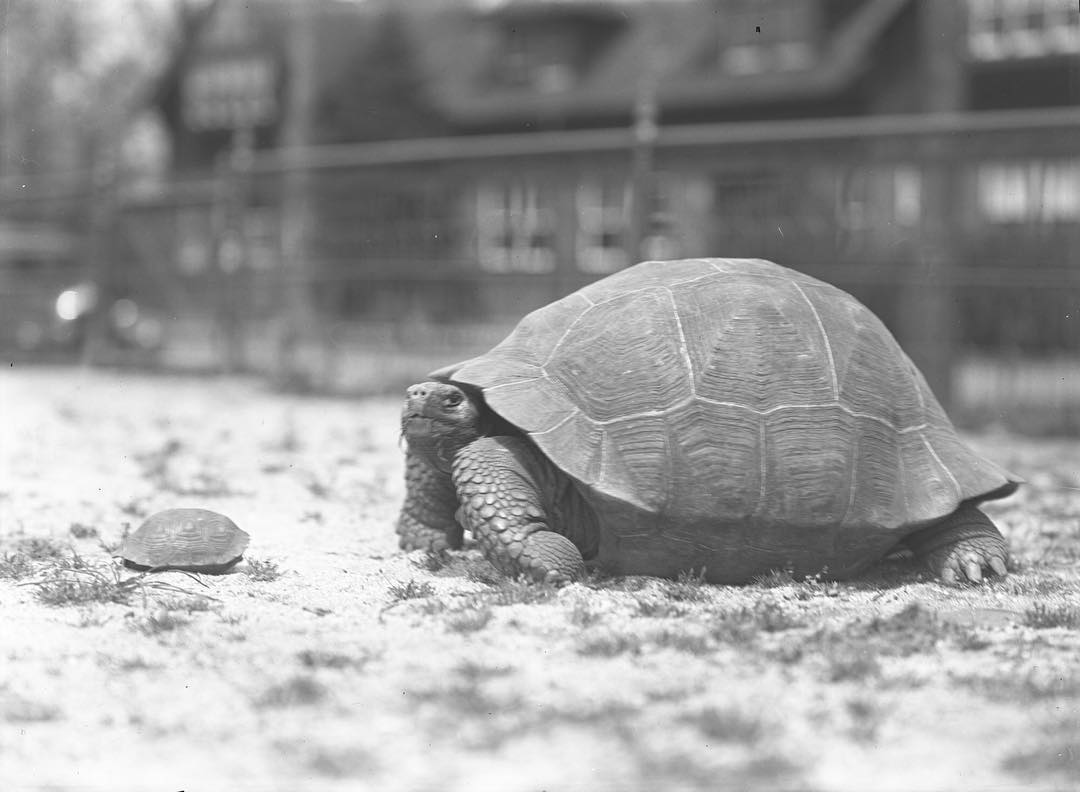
(341, 195)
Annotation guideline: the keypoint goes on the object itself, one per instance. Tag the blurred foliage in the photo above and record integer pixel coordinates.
(389, 100)
(74, 73)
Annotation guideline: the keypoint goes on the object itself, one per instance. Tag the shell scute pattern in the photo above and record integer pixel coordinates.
(722, 389)
(193, 539)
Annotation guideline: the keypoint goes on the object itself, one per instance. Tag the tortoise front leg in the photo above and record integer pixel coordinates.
(961, 546)
(427, 520)
(499, 482)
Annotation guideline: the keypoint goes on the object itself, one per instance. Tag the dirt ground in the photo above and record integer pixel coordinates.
(330, 660)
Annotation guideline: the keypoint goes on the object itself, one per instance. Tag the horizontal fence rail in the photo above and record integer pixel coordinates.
(961, 231)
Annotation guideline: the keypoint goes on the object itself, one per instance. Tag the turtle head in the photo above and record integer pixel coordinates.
(438, 419)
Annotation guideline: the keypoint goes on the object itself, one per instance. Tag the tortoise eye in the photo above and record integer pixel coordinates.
(454, 399)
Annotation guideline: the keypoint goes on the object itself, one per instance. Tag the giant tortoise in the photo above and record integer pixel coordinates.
(729, 415)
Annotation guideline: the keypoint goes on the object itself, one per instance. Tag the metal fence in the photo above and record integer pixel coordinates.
(356, 266)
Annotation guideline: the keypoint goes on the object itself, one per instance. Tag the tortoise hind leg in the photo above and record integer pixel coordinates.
(961, 546)
(499, 482)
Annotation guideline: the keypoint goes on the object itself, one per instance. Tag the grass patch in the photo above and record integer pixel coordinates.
(297, 691)
(39, 549)
(1059, 756)
(137, 664)
(468, 620)
(775, 578)
(516, 591)
(733, 627)
(341, 763)
(743, 625)
(609, 644)
(485, 574)
(15, 566)
(770, 616)
(728, 725)
(318, 488)
(17, 709)
(464, 695)
(1035, 584)
(1044, 617)
(683, 640)
(688, 587)
(851, 662)
(912, 630)
(410, 589)
(853, 652)
(71, 580)
(866, 717)
(478, 672)
(262, 569)
(319, 658)
(584, 615)
(431, 561)
(162, 620)
(1032, 686)
(190, 604)
(660, 608)
(83, 531)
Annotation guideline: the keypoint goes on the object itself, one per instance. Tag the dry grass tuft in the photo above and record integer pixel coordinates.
(728, 725)
(320, 658)
(410, 589)
(15, 566)
(262, 569)
(297, 691)
(1043, 617)
(688, 587)
(468, 620)
(72, 580)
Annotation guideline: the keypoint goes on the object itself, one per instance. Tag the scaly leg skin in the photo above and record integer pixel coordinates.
(961, 547)
(499, 481)
(427, 520)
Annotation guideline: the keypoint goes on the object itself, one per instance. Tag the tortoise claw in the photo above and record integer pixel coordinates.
(961, 546)
(973, 571)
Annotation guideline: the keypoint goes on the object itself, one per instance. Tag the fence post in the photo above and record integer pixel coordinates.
(929, 316)
(99, 250)
(230, 247)
(645, 132)
(297, 315)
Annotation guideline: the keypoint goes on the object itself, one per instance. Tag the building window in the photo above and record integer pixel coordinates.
(873, 198)
(907, 196)
(1019, 192)
(516, 227)
(602, 218)
(772, 36)
(541, 61)
(999, 29)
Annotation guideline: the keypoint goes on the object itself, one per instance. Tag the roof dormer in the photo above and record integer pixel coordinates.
(548, 46)
(756, 36)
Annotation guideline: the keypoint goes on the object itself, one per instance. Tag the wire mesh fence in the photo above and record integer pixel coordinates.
(358, 268)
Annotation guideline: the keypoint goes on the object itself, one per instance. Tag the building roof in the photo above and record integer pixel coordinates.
(669, 45)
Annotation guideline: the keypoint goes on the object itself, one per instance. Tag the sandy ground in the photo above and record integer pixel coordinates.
(361, 667)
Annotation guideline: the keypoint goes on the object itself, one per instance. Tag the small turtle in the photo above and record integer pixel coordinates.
(195, 540)
(725, 414)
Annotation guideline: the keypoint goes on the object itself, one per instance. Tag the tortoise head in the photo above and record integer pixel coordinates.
(438, 419)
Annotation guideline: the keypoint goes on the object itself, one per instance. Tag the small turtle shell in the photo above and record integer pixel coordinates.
(195, 540)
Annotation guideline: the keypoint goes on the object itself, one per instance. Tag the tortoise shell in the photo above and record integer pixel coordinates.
(733, 403)
(196, 540)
